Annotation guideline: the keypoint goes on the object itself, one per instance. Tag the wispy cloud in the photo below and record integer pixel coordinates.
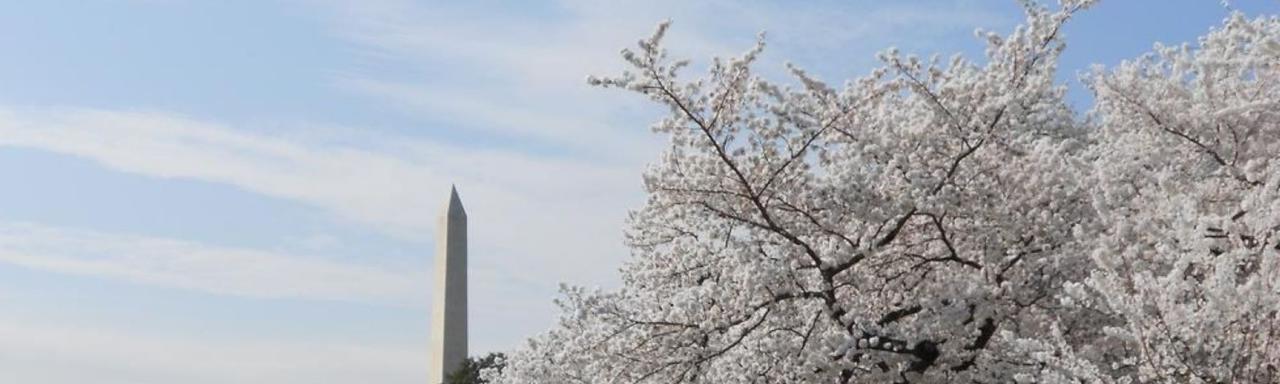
(179, 264)
(492, 70)
(39, 352)
(166, 145)
(394, 184)
(535, 221)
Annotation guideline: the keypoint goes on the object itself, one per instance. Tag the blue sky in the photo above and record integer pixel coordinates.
(246, 191)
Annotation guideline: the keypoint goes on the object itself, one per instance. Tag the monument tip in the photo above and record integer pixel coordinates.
(454, 206)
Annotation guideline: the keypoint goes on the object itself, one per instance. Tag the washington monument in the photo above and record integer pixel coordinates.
(449, 307)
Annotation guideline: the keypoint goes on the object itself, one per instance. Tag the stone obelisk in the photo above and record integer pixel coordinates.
(449, 308)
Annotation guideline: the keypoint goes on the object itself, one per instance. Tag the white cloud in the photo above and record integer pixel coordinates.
(39, 352)
(394, 184)
(494, 70)
(185, 265)
(534, 221)
(166, 145)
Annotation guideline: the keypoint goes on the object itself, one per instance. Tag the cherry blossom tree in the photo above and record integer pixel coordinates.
(1189, 200)
(946, 221)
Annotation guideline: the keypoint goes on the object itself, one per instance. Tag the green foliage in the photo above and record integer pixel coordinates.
(469, 372)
